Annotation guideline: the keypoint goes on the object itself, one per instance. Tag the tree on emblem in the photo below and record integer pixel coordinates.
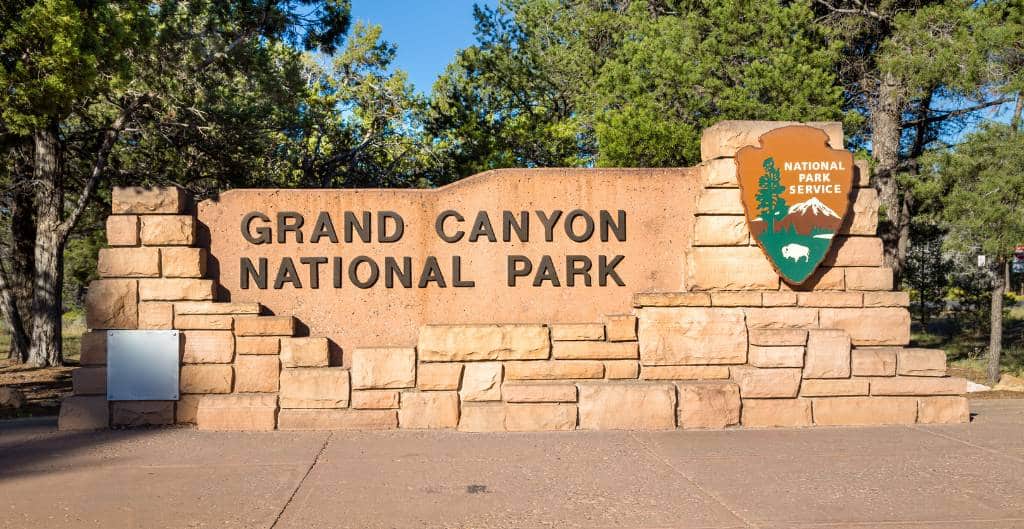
(770, 203)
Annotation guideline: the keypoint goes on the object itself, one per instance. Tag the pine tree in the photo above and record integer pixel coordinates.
(770, 203)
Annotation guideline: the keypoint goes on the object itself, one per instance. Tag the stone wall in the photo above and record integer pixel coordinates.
(738, 347)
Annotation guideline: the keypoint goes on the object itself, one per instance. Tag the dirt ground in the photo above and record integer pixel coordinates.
(43, 388)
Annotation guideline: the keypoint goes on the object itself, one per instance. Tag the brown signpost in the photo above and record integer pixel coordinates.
(796, 192)
(521, 300)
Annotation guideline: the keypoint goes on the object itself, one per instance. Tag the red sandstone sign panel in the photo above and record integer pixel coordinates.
(368, 267)
(796, 194)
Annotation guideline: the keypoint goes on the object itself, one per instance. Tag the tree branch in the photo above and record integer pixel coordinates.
(849, 11)
(102, 157)
(955, 113)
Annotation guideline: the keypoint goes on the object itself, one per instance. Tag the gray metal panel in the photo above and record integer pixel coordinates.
(143, 365)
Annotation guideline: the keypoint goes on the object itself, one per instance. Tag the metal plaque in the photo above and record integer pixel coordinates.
(143, 365)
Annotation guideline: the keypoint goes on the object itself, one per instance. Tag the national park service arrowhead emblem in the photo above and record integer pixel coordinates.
(796, 194)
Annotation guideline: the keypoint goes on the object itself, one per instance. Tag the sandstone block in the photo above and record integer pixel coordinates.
(824, 278)
(142, 413)
(315, 352)
(187, 408)
(873, 361)
(429, 409)
(439, 376)
(714, 201)
(720, 172)
(585, 350)
(879, 278)
(183, 262)
(671, 299)
(540, 417)
(730, 268)
(167, 230)
(123, 230)
(169, 289)
(314, 387)
(627, 406)
(864, 217)
(93, 349)
(482, 417)
(943, 410)
(776, 337)
(886, 299)
(855, 251)
(208, 347)
(778, 299)
(258, 345)
(621, 369)
(683, 372)
(918, 386)
(777, 356)
(708, 404)
(830, 299)
(203, 322)
(539, 392)
(725, 138)
(864, 411)
(553, 370)
(735, 299)
(264, 326)
(89, 381)
(128, 262)
(776, 413)
(84, 413)
(721, 230)
(841, 387)
(577, 331)
(206, 378)
(257, 374)
(688, 336)
(870, 326)
(782, 318)
(112, 304)
(148, 200)
(828, 354)
(156, 315)
(237, 412)
(216, 307)
(383, 367)
(861, 173)
(456, 343)
(921, 362)
(620, 327)
(481, 381)
(757, 383)
(375, 399)
(289, 419)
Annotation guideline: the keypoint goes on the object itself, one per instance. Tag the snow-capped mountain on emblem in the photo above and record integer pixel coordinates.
(805, 217)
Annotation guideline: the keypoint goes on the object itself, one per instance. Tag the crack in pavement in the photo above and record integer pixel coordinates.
(690, 480)
(298, 486)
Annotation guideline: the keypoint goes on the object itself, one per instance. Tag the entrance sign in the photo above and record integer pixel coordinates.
(367, 267)
(796, 194)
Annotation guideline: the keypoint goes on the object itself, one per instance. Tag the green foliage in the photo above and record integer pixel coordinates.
(676, 74)
(928, 271)
(771, 206)
(984, 207)
(554, 83)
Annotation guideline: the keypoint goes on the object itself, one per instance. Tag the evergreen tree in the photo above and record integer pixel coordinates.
(771, 206)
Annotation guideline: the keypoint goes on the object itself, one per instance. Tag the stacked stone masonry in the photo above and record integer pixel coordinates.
(739, 347)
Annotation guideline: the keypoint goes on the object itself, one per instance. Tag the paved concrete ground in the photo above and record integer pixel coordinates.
(964, 476)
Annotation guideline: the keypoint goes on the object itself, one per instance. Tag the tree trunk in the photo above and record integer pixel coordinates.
(886, 130)
(45, 348)
(995, 341)
(21, 265)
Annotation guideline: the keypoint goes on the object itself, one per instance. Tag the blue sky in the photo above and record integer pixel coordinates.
(427, 32)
